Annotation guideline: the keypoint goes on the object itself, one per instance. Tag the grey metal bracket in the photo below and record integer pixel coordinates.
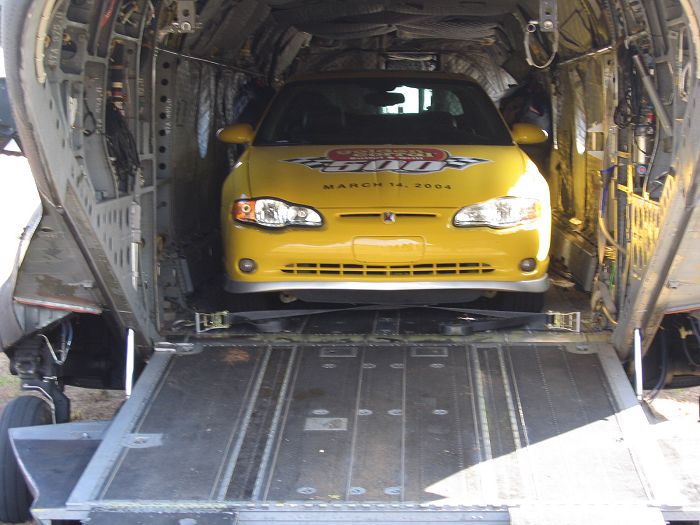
(185, 18)
(548, 16)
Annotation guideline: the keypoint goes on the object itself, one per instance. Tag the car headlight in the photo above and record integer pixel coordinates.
(502, 212)
(275, 213)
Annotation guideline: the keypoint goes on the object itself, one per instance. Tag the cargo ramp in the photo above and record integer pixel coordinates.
(399, 425)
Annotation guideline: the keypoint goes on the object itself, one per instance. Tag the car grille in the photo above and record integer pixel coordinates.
(373, 215)
(388, 270)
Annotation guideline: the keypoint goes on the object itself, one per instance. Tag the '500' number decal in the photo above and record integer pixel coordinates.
(398, 160)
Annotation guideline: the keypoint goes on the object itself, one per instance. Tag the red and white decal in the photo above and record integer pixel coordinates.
(398, 160)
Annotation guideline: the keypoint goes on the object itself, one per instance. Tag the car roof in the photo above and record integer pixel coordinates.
(350, 74)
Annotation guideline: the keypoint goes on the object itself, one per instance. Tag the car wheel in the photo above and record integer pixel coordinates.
(520, 301)
(15, 498)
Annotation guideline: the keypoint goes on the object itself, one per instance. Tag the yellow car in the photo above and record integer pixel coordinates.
(384, 181)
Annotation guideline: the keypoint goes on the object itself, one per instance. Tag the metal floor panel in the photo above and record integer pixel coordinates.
(458, 426)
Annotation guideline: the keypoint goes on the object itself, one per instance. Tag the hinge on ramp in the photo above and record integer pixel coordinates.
(576, 514)
(472, 321)
(162, 517)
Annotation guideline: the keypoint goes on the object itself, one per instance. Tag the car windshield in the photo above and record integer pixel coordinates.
(383, 111)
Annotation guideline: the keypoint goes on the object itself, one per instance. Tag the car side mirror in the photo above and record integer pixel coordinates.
(525, 134)
(236, 134)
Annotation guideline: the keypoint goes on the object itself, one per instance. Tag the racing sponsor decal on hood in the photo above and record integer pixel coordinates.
(399, 160)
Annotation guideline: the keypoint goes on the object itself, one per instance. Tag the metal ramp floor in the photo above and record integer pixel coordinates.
(225, 432)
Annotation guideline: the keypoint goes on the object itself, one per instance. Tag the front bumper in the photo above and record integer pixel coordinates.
(362, 254)
(534, 286)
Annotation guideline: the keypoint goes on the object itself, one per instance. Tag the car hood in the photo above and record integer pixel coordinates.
(384, 176)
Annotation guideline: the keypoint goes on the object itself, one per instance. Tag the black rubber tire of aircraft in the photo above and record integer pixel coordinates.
(520, 301)
(15, 498)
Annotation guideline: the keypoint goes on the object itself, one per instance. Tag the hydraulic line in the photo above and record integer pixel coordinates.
(601, 222)
(696, 332)
(653, 95)
(61, 356)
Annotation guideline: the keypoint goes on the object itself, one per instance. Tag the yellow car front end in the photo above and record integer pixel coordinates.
(414, 244)
(385, 217)
(385, 258)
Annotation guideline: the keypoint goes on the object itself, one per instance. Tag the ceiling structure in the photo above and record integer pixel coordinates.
(478, 38)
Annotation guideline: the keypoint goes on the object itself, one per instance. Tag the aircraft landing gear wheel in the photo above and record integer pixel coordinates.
(15, 498)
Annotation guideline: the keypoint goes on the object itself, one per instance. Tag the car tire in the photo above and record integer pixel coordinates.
(15, 498)
(520, 301)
